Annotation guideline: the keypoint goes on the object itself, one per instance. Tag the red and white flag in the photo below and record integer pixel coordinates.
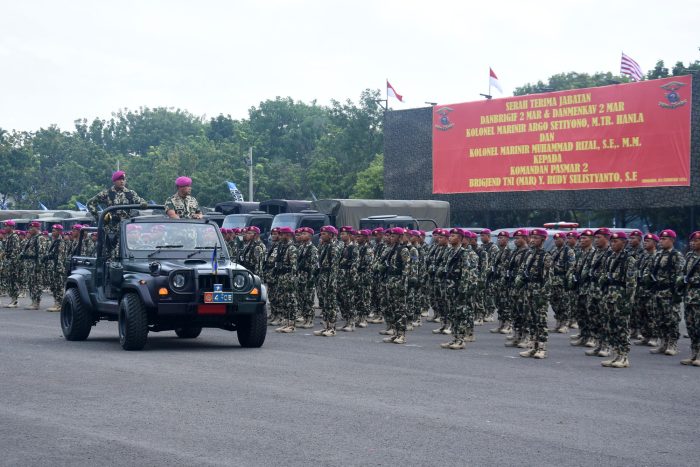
(390, 91)
(630, 68)
(493, 81)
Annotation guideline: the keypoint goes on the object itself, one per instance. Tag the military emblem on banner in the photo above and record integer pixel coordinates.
(445, 123)
(674, 99)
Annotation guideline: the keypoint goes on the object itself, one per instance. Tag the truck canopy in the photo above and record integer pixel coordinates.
(350, 211)
(236, 207)
(283, 206)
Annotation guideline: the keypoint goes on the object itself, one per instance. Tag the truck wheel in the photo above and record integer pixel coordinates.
(188, 332)
(133, 322)
(252, 330)
(76, 321)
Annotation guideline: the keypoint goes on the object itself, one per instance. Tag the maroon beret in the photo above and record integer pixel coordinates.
(330, 229)
(636, 233)
(620, 235)
(573, 234)
(603, 231)
(118, 174)
(521, 233)
(695, 235)
(539, 232)
(667, 233)
(651, 236)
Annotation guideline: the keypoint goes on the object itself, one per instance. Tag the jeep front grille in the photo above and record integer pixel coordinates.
(207, 282)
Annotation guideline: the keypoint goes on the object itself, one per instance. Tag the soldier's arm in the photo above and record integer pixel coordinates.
(170, 209)
(293, 257)
(94, 201)
(547, 273)
(631, 278)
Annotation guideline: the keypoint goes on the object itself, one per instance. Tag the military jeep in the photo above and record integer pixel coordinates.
(161, 275)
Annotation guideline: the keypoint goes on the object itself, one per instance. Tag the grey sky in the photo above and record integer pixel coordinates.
(63, 60)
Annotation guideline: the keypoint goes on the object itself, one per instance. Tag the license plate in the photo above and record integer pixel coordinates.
(218, 297)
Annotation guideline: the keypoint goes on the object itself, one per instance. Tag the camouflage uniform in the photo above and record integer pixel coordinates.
(563, 260)
(33, 254)
(347, 282)
(284, 274)
(271, 256)
(580, 285)
(253, 255)
(327, 284)
(490, 291)
(364, 281)
(12, 265)
(667, 268)
(399, 269)
(643, 305)
(425, 280)
(185, 208)
(431, 259)
(55, 267)
(377, 283)
(497, 285)
(113, 197)
(480, 288)
(535, 276)
(516, 302)
(635, 312)
(439, 292)
(618, 282)
(691, 299)
(460, 280)
(307, 269)
(413, 300)
(593, 272)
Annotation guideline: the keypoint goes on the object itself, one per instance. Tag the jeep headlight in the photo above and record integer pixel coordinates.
(179, 280)
(240, 282)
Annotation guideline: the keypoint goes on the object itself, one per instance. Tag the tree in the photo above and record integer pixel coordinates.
(370, 182)
(570, 80)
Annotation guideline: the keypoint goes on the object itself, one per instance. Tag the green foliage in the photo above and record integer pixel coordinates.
(570, 80)
(370, 182)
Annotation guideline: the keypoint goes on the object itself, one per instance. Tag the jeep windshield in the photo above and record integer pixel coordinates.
(176, 239)
(285, 220)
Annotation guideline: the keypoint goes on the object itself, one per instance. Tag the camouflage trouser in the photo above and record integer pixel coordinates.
(503, 302)
(327, 297)
(595, 315)
(34, 281)
(286, 294)
(459, 312)
(305, 299)
(478, 301)
(56, 281)
(272, 298)
(535, 306)
(364, 298)
(559, 302)
(644, 310)
(426, 290)
(346, 295)
(517, 298)
(617, 314)
(441, 300)
(13, 280)
(436, 289)
(489, 299)
(397, 309)
(376, 295)
(692, 323)
(667, 315)
(581, 314)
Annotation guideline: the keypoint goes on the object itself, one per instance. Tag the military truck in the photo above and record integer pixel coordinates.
(366, 213)
(164, 275)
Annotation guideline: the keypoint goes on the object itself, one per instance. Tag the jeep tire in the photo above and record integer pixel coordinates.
(133, 322)
(76, 321)
(251, 330)
(189, 332)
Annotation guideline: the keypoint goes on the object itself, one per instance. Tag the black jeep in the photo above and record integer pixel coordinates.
(163, 275)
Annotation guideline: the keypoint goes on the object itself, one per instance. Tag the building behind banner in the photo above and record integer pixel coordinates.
(408, 174)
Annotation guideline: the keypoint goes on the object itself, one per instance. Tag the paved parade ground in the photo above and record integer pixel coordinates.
(348, 400)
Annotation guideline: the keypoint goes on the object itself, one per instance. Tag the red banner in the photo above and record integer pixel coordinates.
(621, 136)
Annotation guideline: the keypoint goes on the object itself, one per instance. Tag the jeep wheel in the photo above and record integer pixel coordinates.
(252, 330)
(133, 322)
(188, 332)
(76, 321)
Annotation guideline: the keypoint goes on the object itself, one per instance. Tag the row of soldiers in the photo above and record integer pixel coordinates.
(36, 261)
(611, 286)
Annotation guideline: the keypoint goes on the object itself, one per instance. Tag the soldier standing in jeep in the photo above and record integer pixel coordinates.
(115, 195)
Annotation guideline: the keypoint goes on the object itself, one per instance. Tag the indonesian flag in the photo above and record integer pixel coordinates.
(493, 81)
(390, 91)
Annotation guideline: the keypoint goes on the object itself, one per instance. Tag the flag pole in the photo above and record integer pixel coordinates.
(386, 102)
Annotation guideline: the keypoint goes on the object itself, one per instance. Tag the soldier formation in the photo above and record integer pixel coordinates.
(614, 288)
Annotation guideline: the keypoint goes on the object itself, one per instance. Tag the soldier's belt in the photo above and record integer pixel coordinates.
(283, 270)
(394, 273)
(325, 269)
(617, 284)
(342, 266)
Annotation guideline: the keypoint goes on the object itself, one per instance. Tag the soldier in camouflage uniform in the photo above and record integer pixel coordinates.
(284, 274)
(490, 292)
(580, 285)
(364, 276)
(276, 316)
(91, 244)
(348, 261)
(496, 278)
(480, 288)
(430, 255)
(571, 292)
(519, 337)
(377, 288)
(327, 287)
(253, 253)
(635, 249)
(618, 283)
(55, 266)
(435, 273)
(116, 195)
(563, 259)
(425, 284)
(663, 276)
(398, 273)
(460, 279)
(594, 272)
(643, 306)
(33, 254)
(182, 205)
(307, 270)
(691, 299)
(11, 263)
(412, 240)
(535, 277)
(440, 310)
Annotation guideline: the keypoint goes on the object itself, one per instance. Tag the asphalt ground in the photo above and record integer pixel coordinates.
(347, 400)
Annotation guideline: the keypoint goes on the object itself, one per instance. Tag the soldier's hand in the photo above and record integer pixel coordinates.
(143, 205)
(107, 218)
